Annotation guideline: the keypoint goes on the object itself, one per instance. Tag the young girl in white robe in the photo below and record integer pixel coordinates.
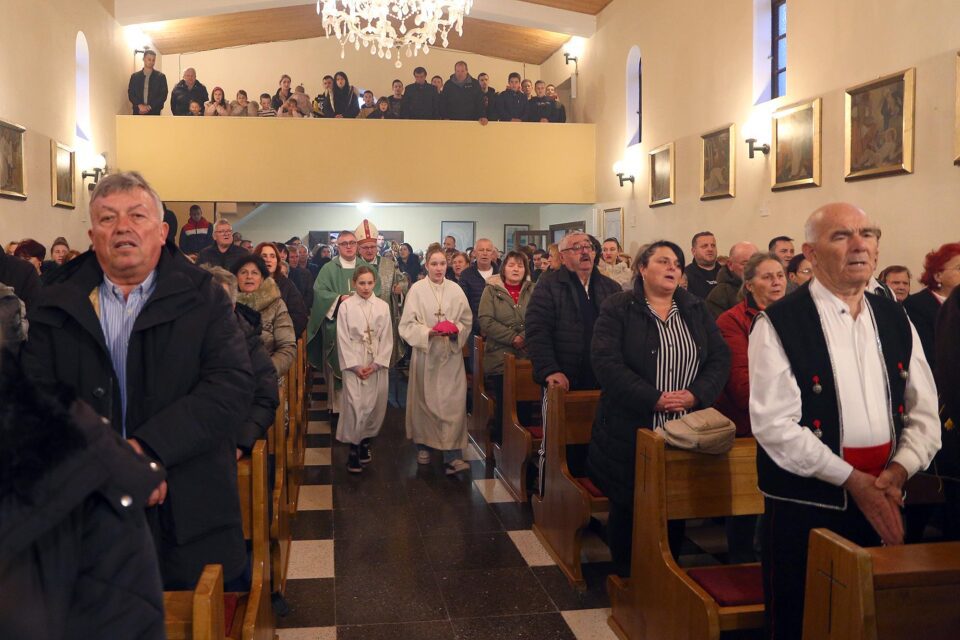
(437, 390)
(364, 345)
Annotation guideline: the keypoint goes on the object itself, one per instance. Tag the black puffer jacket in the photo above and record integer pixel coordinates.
(555, 339)
(294, 301)
(625, 346)
(461, 101)
(76, 556)
(21, 277)
(473, 285)
(266, 395)
(420, 102)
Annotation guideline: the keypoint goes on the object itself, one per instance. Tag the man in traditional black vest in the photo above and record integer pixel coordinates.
(843, 406)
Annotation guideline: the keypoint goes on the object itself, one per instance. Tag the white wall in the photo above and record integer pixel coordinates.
(37, 91)
(420, 223)
(698, 76)
(257, 68)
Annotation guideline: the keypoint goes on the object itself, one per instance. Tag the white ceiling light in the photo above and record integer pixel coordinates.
(389, 27)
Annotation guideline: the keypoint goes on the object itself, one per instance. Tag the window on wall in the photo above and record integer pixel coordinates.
(634, 113)
(82, 88)
(778, 46)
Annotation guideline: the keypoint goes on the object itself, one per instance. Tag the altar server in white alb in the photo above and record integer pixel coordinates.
(436, 323)
(364, 346)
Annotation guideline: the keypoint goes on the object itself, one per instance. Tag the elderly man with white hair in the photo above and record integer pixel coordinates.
(150, 342)
(843, 407)
(727, 293)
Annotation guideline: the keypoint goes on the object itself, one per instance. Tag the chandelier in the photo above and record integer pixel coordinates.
(391, 27)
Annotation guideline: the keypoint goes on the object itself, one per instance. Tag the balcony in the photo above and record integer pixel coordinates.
(318, 160)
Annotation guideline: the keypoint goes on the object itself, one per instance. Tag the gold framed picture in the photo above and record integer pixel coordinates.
(796, 146)
(879, 126)
(956, 112)
(662, 182)
(718, 164)
(13, 175)
(63, 174)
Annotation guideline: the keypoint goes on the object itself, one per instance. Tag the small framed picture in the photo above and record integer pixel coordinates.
(509, 233)
(63, 170)
(611, 224)
(718, 164)
(13, 175)
(662, 184)
(462, 231)
(796, 146)
(879, 126)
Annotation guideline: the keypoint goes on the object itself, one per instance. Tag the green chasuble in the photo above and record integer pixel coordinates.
(332, 282)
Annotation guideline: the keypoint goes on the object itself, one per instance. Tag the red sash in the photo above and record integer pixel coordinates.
(870, 460)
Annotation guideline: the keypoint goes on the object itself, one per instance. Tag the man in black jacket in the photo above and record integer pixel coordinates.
(147, 90)
(186, 91)
(473, 279)
(151, 343)
(420, 100)
(541, 108)
(511, 104)
(461, 98)
(21, 277)
(489, 97)
(222, 252)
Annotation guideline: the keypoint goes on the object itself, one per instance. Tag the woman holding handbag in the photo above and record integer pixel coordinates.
(657, 355)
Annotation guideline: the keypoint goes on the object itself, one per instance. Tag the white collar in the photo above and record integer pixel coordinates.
(824, 296)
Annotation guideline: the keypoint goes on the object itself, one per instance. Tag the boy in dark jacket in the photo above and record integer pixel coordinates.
(420, 99)
(540, 106)
(489, 97)
(511, 104)
(461, 98)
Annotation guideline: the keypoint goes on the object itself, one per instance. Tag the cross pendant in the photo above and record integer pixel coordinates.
(440, 315)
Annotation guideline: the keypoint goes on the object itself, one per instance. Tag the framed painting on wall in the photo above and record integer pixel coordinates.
(13, 176)
(662, 183)
(462, 231)
(879, 126)
(509, 235)
(63, 171)
(796, 146)
(611, 224)
(718, 164)
(557, 231)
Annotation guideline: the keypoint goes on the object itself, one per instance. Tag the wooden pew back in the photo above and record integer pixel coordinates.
(196, 615)
(874, 593)
(517, 441)
(661, 600)
(257, 621)
(483, 406)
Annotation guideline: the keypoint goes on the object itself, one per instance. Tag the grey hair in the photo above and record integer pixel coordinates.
(221, 222)
(124, 182)
(750, 269)
(564, 241)
(223, 278)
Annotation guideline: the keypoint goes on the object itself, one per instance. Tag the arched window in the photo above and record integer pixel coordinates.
(83, 90)
(634, 112)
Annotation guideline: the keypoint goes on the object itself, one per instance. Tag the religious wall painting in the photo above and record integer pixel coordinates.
(63, 172)
(463, 232)
(509, 235)
(879, 126)
(611, 224)
(796, 146)
(13, 176)
(718, 164)
(662, 182)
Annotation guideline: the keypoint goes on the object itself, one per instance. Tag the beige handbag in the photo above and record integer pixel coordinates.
(704, 431)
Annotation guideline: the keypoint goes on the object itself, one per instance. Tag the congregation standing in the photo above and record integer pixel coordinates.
(838, 375)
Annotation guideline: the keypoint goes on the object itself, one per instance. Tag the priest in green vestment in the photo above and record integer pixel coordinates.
(333, 285)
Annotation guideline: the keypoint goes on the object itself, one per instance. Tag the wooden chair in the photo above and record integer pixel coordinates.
(568, 502)
(484, 406)
(518, 441)
(207, 613)
(662, 600)
(880, 593)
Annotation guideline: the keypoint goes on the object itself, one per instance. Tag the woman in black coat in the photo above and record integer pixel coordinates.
(270, 253)
(657, 354)
(76, 556)
(948, 381)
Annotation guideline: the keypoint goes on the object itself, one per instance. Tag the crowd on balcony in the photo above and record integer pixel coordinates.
(461, 97)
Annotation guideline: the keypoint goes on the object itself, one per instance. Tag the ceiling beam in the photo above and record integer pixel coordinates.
(513, 12)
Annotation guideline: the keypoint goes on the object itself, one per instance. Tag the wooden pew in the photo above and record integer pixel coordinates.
(880, 593)
(484, 406)
(568, 502)
(662, 600)
(207, 613)
(280, 535)
(518, 441)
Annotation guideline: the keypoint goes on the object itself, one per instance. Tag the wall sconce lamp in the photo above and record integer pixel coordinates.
(754, 147)
(98, 168)
(570, 58)
(624, 174)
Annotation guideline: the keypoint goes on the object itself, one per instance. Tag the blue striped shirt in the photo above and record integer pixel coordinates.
(117, 317)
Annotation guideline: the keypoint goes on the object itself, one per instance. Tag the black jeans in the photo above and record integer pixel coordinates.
(785, 531)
